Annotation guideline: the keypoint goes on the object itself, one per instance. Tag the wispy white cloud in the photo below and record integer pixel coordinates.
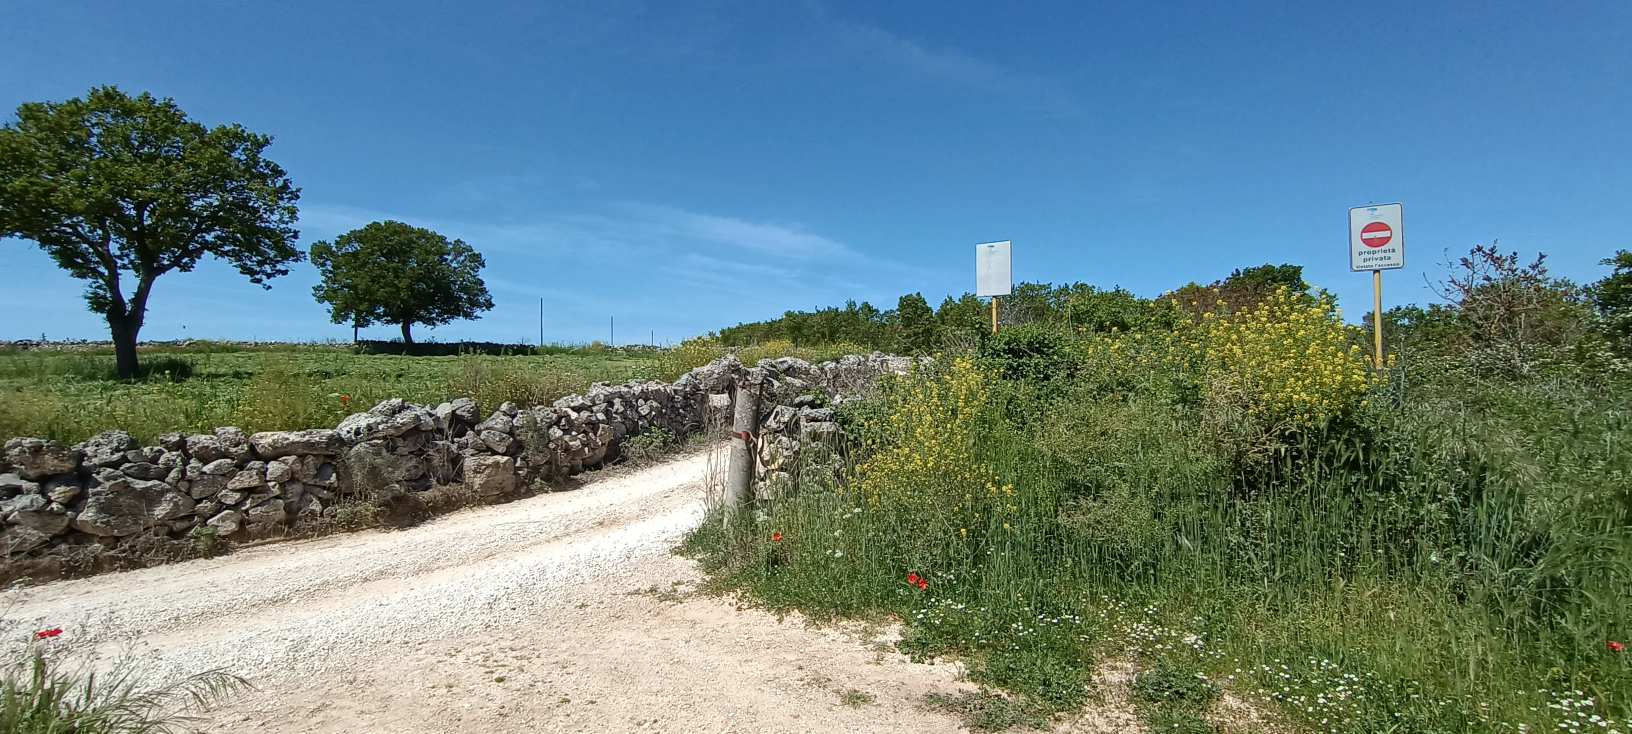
(620, 227)
(887, 47)
(657, 268)
(776, 240)
(613, 254)
(544, 235)
(736, 277)
(871, 43)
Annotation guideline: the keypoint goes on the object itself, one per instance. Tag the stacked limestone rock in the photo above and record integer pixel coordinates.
(109, 488)
(799, 396)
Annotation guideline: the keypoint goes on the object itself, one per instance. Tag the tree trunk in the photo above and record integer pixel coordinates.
(407, 336)
(124, 345)
(125, 321)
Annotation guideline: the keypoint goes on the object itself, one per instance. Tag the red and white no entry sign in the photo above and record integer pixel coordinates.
(1376, 234)
(1376, 237)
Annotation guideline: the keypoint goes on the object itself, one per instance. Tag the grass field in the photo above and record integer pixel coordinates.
(72, 395)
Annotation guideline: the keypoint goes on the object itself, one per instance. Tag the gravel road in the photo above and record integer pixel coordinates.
(561, 612)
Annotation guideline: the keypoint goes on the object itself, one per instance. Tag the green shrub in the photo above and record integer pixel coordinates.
(1173, 685)
(1036, 353)
(647, 446)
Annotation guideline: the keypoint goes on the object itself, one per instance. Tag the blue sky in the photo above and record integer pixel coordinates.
(682, 166)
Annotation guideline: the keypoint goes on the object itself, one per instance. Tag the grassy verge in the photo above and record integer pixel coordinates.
(1452, 557)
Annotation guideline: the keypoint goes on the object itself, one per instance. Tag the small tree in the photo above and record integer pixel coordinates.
(1613, 298)
(1513, 309)
(394, 273)
(122, 189)
(915, 324)
(963, 319)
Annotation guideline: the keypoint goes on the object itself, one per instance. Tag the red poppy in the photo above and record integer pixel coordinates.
(923, 584)
(44, 634)
(776, 537)
(1615, 646)
(912, 579)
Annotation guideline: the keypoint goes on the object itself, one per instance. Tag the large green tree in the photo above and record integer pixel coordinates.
(120, 190)
(395, 273)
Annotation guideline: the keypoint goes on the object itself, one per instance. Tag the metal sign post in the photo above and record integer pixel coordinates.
(992, 273)
(1377, 243)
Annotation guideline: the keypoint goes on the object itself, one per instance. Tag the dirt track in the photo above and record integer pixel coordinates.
(562, 612)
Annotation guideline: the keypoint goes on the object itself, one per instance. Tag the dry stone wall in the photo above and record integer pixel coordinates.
(110, 491)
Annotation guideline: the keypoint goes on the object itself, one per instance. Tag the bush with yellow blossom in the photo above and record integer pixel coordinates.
(1283, 365)
(924, 463)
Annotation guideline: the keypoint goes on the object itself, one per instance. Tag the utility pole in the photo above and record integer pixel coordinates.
(612, 331)
(540, 323)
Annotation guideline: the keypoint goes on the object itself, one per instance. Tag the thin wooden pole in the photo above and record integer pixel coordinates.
(994, 314)
(744, 425)
(1377, 315)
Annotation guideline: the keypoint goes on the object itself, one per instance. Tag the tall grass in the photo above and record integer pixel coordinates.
(47, 688)
(493, 382)
(1446, 559)
(47, 365)
(69, 397)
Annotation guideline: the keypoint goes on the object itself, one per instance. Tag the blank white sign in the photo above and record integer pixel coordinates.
(992, 269)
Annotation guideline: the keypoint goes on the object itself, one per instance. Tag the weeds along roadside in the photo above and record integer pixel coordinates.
(1349, 556)
(52, 682)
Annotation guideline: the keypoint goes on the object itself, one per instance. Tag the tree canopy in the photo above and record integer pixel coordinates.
(395, 273)
(914, 327)
(1613, 297)
(915, 324)
(120, 190)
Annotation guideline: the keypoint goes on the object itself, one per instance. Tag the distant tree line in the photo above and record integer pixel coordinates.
(1509, 315)
(914, 327)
